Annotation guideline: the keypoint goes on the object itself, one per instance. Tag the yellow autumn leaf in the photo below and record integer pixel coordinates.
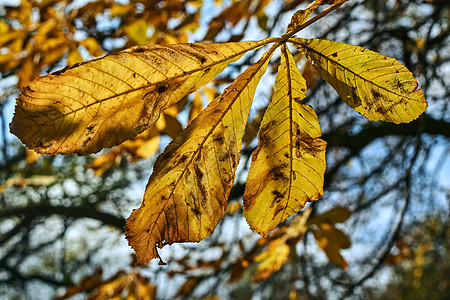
(125, 286)
(298, 19)
(188, 191)
(28, 71)
(31, 157)
(106, 161)
(374, 85)
(272, 259)
(101, 103)
(92, 46)
(196, 106)
(138, 30)
(74, 56)
(301, 16)
(233, 207)
(278, 250)
(118, 9)
(331, 240)
(252, 127)
(148, 148)
(173, 126)
(288, 166)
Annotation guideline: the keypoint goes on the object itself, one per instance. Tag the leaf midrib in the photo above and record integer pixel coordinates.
(291, 163)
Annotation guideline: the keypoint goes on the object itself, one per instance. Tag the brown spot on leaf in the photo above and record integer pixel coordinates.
(183, 158)
(397, 85)
(226, 177)
(138, 50)
(352, 99)
(87, 141)
(381, 110)
(376, 94)
(225, 157)
(278, 196)
(334, 54)
(198, 173)
(263, 138)
(162, 88)
(277, 172)
(91, 127)
(233, 160)
(219, 138)
(195, 210)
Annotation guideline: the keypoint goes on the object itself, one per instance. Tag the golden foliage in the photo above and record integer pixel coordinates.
(133, 96)
(188, 191)
(288, 166)
(101, 103)
(330, 239)
(279, 249)
(126, 286)
(374, 85)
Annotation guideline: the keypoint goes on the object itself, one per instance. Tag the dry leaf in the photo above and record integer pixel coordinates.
(288, 166)
(188, 191)
(374, 85)
(101, 103)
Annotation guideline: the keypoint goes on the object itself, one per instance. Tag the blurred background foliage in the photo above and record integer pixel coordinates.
(380, 230)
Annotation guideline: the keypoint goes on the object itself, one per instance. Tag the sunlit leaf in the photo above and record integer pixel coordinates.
(288, 166)
(374, 85)
(92, 46)
(31, 157)
(137, 31)
(196, 106)
(86, 107)
(276, 254)
(298, 19)
(271, 260)
(233, 207)
(74, 56)
(188, 286)
(125, 286)
(301, 15)
(118, 9)
(316, 3)
(28, 71)
(35, 180)
(331, 240)
(188, 191)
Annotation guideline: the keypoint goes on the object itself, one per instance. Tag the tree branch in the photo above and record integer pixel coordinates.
(424, 124)
(75, 212)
